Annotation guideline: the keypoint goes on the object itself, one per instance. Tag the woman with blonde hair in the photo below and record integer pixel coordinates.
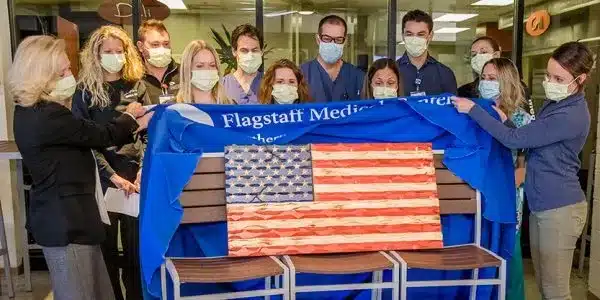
(110, 78)
(65, 217)
(200, 73)
(283, 83)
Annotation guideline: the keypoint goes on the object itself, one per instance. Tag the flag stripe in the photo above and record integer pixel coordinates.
(372, 171)
(371, 163)
(304, 206)
(380, 187)
(343, 180)
(372, 147)
(341, 155)
(343, 196)
(328, 213)
(338, 230)
(337, 239)
(328, 222)
(334, 248)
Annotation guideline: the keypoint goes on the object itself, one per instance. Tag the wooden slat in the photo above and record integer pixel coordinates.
(437, 161)
(210, 165)
(452, 258)
(206, 182)
(445, 176)
(449, 207)
(207, 214)
(455, 191)
(202, 198)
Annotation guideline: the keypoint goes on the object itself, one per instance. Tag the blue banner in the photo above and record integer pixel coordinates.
(180, 134)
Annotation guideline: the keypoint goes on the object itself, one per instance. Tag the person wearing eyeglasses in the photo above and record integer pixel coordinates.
(242, 84)
(329, 77)
(423, 75)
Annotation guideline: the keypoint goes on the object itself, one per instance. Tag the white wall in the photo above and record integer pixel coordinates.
(8, 193)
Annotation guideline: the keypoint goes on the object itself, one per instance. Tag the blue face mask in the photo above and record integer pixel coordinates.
(331, 52)
(489, 89)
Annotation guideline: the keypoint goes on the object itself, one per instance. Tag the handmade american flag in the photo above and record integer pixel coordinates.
(328, 198)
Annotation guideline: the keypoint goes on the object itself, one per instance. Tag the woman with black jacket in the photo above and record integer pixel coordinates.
(64, 215)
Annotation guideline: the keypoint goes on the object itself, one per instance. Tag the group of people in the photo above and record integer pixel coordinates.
(76, 136)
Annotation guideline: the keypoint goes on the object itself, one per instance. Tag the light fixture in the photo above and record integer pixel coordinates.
(451, 30)
(454, 17)
(174, 4)
(493, 2)
(306, 12)
(279, 13)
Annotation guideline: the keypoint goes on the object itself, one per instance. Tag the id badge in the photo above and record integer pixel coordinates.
(166, 98)
(418, 94)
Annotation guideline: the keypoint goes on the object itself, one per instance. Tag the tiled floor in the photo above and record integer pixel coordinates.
(41, 286)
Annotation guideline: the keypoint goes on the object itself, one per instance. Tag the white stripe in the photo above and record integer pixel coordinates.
(337, 239)
(338, 155)
(337, 205)
(373, 171)
(329, 222)
(370, 187)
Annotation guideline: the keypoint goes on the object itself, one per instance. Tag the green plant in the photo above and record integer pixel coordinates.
(224, 49)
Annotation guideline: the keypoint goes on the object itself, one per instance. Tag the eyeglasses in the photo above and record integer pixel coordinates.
(328, 39)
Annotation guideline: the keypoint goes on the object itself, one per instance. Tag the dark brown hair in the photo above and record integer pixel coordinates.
(151, 24)
(576, 58)
(333, 20)
(417, 16)
(382, 63)
(490, 41)
(246, 30)
(266, 86)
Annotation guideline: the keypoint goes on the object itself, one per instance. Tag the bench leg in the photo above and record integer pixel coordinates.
(502, 287)
(267, 287)
(163, 281)
(377, 277)
(474, 286)
(403, 280)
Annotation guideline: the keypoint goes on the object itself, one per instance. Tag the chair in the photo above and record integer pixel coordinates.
(456, 197)
(203, 201)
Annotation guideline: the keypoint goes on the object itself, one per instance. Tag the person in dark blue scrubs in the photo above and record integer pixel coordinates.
(329, 77)
(423, 74)
(242, 85)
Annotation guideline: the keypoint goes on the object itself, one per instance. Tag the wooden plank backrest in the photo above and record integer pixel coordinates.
(203, 198)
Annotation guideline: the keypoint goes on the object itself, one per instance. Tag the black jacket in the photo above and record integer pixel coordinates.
(56, 148)
(169, 84)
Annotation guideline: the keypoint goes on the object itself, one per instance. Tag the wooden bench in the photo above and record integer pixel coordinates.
(203, 200)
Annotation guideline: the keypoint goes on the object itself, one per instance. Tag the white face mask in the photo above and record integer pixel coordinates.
(489, 89)
(112, 63)
(65, 88)
(479, 60)
(415, 46)
(557, 91)
(205, 80)
(250, 62)
(159, 57)
(284, 93)
(384, 92)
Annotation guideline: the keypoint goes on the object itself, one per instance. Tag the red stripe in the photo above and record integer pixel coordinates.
(374, 163)
(332, 230)
(332, 213)
(372, 147)
(373, 179)
(353, 196)
(333, 248)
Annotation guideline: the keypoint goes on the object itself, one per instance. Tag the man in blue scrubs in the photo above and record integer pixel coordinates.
(422, 74)
(242, 85)
(329, 77)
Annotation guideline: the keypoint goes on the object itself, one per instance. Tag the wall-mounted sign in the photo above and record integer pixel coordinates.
(538, 23)
(120, 11)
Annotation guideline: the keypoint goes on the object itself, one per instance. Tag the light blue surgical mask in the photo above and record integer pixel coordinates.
(331, 52)
(489, 89)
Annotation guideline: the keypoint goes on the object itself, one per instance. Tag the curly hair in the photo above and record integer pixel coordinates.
(266, 86)
(91, 76)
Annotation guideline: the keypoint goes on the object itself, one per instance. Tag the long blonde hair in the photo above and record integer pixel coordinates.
(185, 74)
(512, 95)
(91, 77)
(35, 70)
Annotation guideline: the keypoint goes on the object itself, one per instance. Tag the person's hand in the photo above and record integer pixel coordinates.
(502, 115)
(143, 121)
(135, 109)
(462, 105)
(519, 176)
(123, 184)
(138, 181)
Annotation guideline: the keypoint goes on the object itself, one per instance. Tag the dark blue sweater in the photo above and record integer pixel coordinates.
(555, 140)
